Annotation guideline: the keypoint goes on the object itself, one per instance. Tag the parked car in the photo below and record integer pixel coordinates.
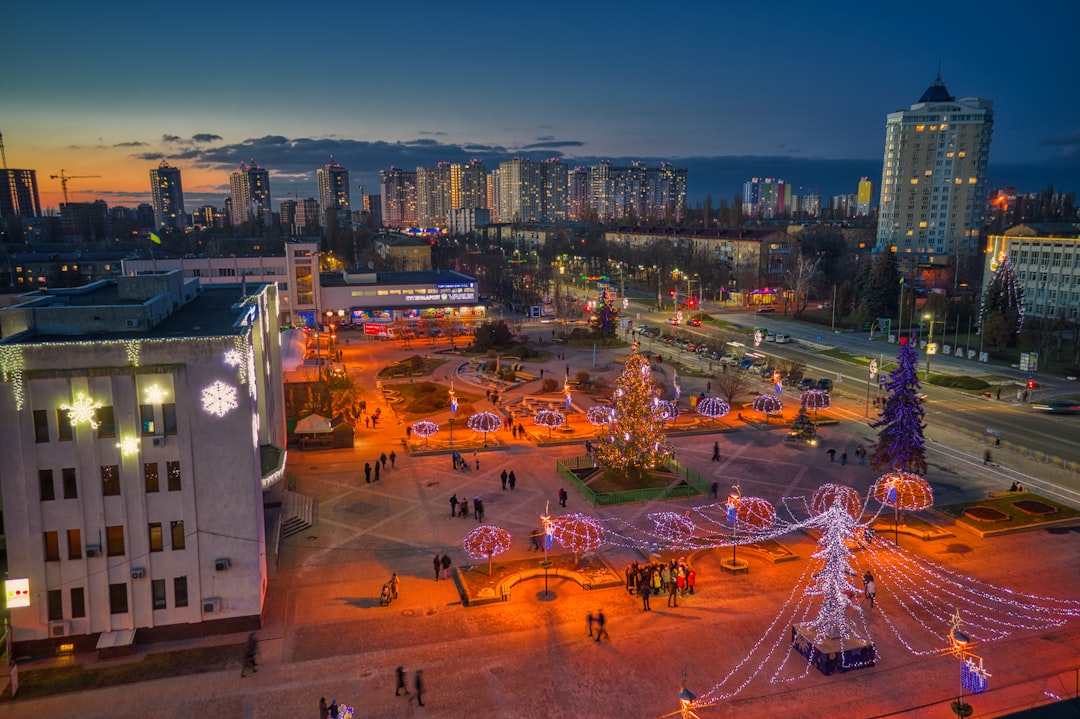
(825, 384)
(728, 359)
(807, 383)
(782, 339)
(746, 363)
(770, 337)
(766, 308)
(695, 322)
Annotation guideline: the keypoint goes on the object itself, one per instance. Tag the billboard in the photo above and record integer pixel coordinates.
(18, 592)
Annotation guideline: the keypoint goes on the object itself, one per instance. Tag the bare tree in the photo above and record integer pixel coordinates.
(731, 384)
(801, 280)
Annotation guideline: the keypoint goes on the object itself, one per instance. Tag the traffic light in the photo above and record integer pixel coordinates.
(671, 293)
(693, 302)
(1031, 384)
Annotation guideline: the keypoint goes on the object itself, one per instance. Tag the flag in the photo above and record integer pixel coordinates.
(155, 239)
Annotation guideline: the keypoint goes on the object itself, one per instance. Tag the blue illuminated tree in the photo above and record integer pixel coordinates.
(901, 444)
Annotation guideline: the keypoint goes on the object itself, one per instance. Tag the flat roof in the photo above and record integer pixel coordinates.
(426, 277)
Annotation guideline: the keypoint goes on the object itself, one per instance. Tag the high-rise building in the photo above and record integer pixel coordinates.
(577, 199)
(250, 185)
(765, 197)
(532, 191)
(334, 193)
(19, 194)
(934, 180)
(433, 195)
(865, 196)
(168, 196)
(468, 186)
(398, 189)
(307, 216)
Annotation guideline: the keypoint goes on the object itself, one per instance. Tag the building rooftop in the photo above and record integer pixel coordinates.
(431, 277)
(937, 92)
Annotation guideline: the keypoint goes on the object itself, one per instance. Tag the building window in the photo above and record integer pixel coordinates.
(179, 587)
(78, 602)
(45, 485)
(106, 420)
(150, 475)
(146, 419)
(157, 588)
(173, 471)
(157, 539)
(178, 539)
(110, 480)
(168, 412)
(74, 537)
(71, 484)
(41, 425)
(52, 546)
(65, 431)
(56, 604)
(114, 537)
(118, 599)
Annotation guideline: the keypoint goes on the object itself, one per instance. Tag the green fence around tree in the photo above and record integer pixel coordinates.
(685, 482)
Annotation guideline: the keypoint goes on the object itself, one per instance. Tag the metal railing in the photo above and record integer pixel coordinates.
(690, 484)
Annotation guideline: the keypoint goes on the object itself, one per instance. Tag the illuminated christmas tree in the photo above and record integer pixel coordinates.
(1004, 296)
(901, 444)
(635, 441)
(832, 583)
(606, 317)
(803, 427)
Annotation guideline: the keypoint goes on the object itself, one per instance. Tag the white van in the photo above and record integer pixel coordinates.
(783, 339)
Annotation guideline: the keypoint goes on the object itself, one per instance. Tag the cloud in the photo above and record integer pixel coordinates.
(204, 137)
(130, 143)
(433, 132)
(171, 138)
(552, 144)
(1069, 138)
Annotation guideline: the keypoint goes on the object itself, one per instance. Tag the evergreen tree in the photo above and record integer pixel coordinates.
(831, 583)
(635, 441)
(901, 444)
(606, 318)
(803, 428)
(1004, 298)
(883, 292)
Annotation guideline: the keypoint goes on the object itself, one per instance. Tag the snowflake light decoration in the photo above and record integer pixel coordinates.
(486, 541)
(82, 410)
(128, 445)
(815, 399)
(155, 394)
(233, 357)
(219, 399)
(713, 407)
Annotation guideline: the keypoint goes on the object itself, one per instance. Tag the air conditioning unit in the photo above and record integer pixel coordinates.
(222, 564)
(59, 629)
(132, 322)
(211, 605)
(159, 441)
(138, 573)
(93, 550)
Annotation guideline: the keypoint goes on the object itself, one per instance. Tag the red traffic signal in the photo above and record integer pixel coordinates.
(693, 302)
(1031, 384)
(671, 293)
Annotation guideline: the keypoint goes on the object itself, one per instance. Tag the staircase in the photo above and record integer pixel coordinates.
(297, 513)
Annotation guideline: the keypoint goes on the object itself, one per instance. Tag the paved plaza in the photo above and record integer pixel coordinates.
(327, 635)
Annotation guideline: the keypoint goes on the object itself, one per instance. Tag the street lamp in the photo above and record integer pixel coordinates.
(451, 431)
(931, 346)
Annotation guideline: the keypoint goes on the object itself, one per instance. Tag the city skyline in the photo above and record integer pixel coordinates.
(794, 92)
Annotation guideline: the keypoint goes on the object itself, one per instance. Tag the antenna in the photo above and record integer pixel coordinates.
(2, 153)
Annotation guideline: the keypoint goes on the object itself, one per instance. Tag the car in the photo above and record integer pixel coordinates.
(782, 339)
(746, 363)
(695, 322)
(765, 308)
(770, 337)
(807, 383)
(729, 359)
(673, 320)
(1057, 407)
(825, 384)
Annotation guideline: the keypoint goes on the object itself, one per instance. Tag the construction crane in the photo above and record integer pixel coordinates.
(64, 180)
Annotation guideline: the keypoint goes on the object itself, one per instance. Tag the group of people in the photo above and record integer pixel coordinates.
(463, 464)
(418, 685)
(508, 478)
(460, 507)
(371, 421)
(676, 578)
(379, 466)
(442, 566)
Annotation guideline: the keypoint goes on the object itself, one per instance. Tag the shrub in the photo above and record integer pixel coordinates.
(549, 385)
(963, 382)
(582, 378)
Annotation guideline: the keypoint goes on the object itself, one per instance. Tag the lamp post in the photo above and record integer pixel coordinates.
(931, 346)
(451, 431)
(900, 320)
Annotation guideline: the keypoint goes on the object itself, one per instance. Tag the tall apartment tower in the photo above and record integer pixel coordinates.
(168, 196)
(532, 191)
(766, 197)
(433, 195)
(934, 180)
(577, 200)
(468, 186)
(398, 188)
(865, 195)
(250, 185)
(19, 194)
(334, 192)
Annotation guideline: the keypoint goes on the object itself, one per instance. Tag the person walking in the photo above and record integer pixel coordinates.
(395, 582)
(871, 588)
(479, 510)
(400, 682)
(986, 457)
(367, 472)
(691, 579)
(376, 471)
(673, 592)
(382, 459)
(476, 458)
(716, 451)
(438, 566)
(418, 684)
(512, 480)
(334, 709)
(601, 626)
(714, 488)
(832, 453)
(843, 459)
(645, 591)
(476, 507)
(562, 497)
(249, 656)
(453, 505)
(463, 508)
(446, 561)
(504, 477)
(393, 459)
(590, 620)
(324, 708)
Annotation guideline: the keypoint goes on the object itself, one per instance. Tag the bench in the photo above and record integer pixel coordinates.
(503, 588)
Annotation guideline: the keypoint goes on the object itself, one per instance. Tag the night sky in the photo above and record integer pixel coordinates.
(796, 90)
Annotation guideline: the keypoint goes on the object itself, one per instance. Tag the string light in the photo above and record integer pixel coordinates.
(829, 494)
(133, 350)
(155, 394)
(713, 407)
(768, 404)
(600, 414)
(815, 399)
(549, 418)
(673, 527)
(219, 399)
(11, 370)
(485, 542)
(128, 445)
(82, 410)
(579, 533)
(425, 428)
(484, 422)
(902, 490)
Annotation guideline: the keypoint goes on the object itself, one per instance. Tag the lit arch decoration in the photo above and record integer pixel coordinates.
(484, 422)
(600, 414)
(549, 418)
(768, 404)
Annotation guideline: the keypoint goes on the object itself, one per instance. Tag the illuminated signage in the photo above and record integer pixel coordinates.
(18, 592)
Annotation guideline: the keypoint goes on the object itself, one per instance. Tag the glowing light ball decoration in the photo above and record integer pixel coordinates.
(754, 513)
(485, 422)
(903, 490)
(600, 415)
(579, 533)
(666, 411)
(815, 399)
(485, 542)
(673, 527)
(768, 404)
(425, 428)
(829, 494)
(549, 418)
(713, 407)
(219, 399)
